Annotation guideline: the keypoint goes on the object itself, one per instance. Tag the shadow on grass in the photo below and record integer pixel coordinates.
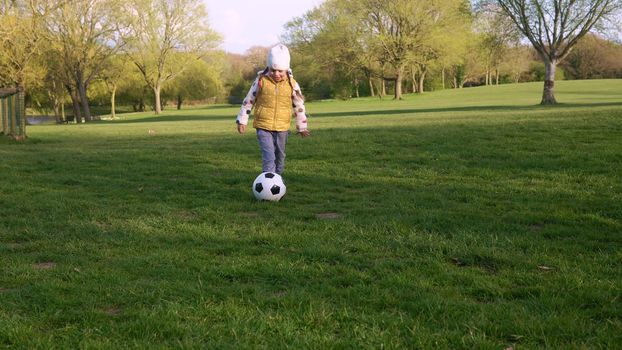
(378, 112)
(171, 118)
(390, 112)
(440, 170)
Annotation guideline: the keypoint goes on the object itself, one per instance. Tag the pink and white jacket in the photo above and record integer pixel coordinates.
(298, 106)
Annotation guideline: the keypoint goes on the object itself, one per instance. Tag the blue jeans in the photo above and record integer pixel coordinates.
(272, 145)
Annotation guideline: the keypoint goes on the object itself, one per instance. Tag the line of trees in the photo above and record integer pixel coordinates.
(59, 49)
(143, 53)
(346, 42)
(554, 27)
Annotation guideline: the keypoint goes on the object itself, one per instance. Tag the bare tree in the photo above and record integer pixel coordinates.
(256, 56)
(116, 70)
(83, 32)
(158, 29)
(408, 32)
(497, 36)
(554, 26)
(396, 27)
(333, 35)
(21, 42)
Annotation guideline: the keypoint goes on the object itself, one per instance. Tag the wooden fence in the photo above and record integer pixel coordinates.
(13, 113)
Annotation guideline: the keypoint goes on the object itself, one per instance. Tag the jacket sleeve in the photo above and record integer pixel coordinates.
(298, 104)
(247, 105)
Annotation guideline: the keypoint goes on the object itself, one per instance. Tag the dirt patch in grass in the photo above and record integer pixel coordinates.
(487, 263)
(186, 215)
(545, 268)
(112, 311)
(280, 293)
(328, 216)
(14, 245)
(45, 265)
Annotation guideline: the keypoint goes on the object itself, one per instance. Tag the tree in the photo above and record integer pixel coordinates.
(594, 57)
(114, 73)
(85, 35)
(199, 81)
(446, 40)
(21, 42)
(54, 83)
(394, 27)
(157, 29)
(401, 31)
(238, 75)
(553, 27)
(516, 62)
(328, 43)
(497, 35)
(256, 58)
(472, 67)
(131, 88)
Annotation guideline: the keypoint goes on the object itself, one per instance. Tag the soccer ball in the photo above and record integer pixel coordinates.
(269, 187)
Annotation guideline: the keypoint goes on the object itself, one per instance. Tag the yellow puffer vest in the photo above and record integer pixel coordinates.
(273, 109)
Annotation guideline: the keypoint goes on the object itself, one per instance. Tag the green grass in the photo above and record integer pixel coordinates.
(459, 219)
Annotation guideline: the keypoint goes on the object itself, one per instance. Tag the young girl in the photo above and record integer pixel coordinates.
(273, 94)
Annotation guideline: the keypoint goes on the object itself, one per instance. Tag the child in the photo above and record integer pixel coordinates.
(273, 94)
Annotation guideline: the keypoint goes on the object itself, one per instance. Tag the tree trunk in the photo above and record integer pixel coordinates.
(56, 100)
(548, 94)
(371, 87)
(179, 101)
(398, 83)
(398, 87)
(156, 93)
(56, 108)
(83, 98)
(113, 105)
(77, 115)
(421, 80)
(77, 112)
(443, 77)
(383, 91)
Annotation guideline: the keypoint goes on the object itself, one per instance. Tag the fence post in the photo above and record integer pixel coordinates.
(4, 108)
(20, 111)
(13, 113)
(10, 113)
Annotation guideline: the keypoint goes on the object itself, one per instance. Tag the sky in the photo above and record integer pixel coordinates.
(247, 23)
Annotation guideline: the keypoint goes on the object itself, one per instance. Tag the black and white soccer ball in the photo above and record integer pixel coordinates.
(269, 187)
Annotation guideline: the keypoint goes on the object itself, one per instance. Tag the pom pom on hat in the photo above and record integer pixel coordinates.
(278, 57)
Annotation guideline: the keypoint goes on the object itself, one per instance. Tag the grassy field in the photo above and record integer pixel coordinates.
(459, 219)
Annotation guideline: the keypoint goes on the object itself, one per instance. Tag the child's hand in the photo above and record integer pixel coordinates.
(304, 133)
(241, 128)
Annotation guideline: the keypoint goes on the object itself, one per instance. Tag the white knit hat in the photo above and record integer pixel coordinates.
(278, 57)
